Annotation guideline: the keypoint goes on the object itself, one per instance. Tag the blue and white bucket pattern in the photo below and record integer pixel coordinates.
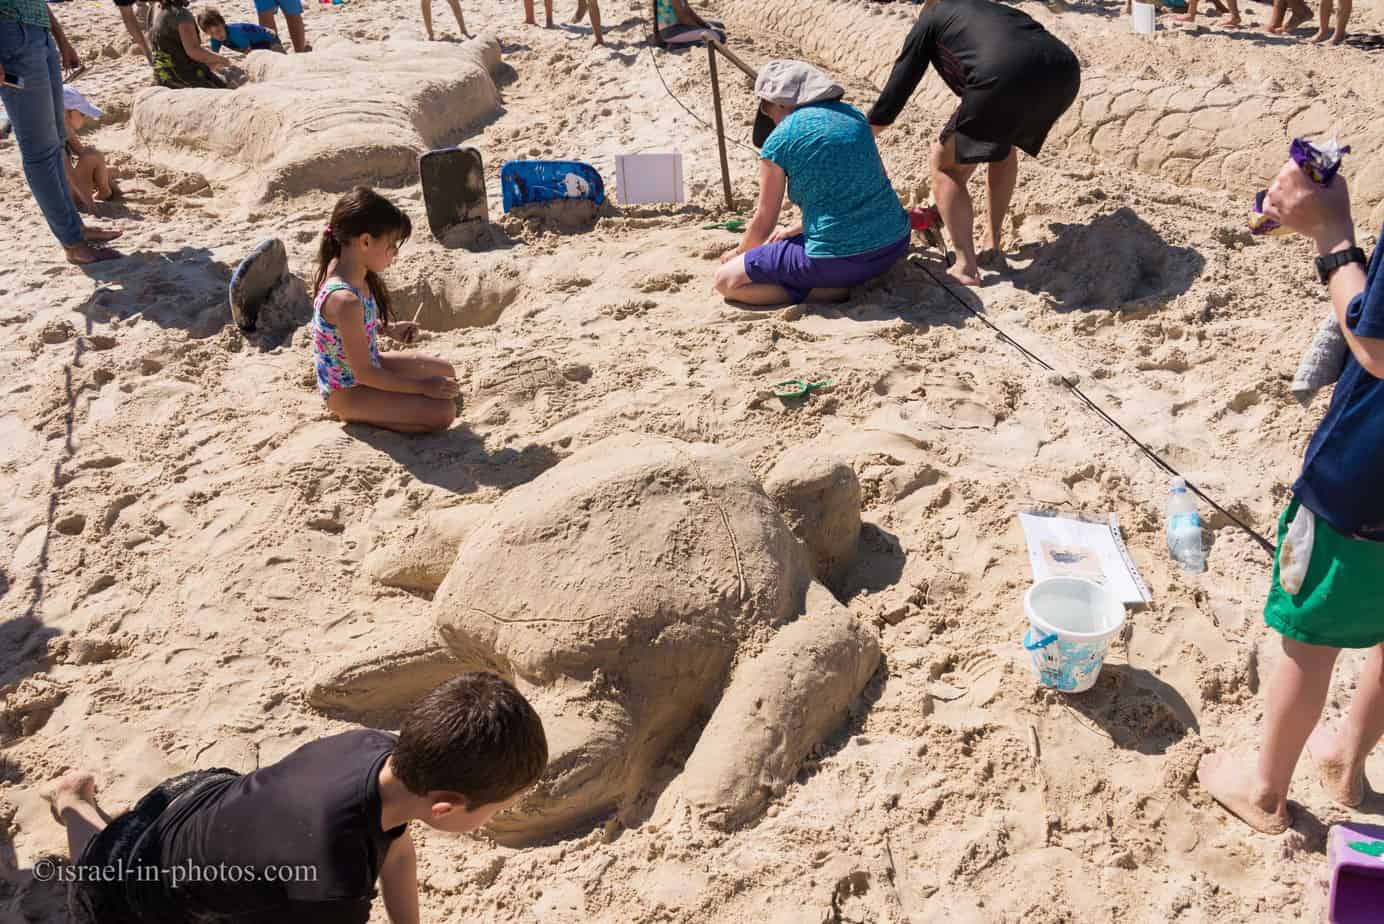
(1071, 622)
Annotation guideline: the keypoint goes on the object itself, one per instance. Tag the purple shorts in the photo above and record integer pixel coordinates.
(786, 263)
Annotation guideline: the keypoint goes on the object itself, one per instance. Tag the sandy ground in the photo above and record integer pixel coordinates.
(184, 529)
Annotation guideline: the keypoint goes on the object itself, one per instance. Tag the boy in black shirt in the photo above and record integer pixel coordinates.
(1015, 80)
(304, 840)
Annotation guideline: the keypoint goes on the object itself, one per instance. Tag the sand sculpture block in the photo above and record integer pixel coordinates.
(819, 497)
(632, 592)
(343, 115)
(1198, 132)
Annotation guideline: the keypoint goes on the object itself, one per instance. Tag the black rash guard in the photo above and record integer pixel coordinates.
(1015, 79)
(312, 818)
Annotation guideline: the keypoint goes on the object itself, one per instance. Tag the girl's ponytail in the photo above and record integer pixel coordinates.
(327, 251)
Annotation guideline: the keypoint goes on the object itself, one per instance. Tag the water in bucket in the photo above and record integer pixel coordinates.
(1071, 622)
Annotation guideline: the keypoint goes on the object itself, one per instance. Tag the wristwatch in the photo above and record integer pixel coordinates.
(1333, 261)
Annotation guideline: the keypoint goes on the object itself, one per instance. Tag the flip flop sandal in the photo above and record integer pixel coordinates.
(800, 388)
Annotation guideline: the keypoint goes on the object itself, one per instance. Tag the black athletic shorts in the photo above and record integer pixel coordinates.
(1015, 112)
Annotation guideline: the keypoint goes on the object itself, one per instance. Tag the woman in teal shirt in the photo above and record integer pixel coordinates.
(822, 153)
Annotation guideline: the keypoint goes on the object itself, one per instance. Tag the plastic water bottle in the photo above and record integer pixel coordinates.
(1184, 527)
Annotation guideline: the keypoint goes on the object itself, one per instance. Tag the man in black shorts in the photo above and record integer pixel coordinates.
(304, 840)
(1015, 80)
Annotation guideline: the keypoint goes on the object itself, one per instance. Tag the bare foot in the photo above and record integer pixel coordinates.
(84, 254)
(1187, 18)
(1231, 782)
(1320, 37)
(1345, 787)
(100, 235)
(1295, 20)
(580, 14)
(1339, 37)
(77, 786)
(1230, 22)
(966, 275)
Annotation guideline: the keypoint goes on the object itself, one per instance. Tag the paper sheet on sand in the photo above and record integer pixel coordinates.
(1065, 547)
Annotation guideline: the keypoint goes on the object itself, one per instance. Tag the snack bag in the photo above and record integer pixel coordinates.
(1321, 164)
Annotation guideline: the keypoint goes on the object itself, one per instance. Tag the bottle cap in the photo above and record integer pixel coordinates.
(1178, 484)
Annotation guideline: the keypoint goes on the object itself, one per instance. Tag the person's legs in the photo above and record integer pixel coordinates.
(734, 285)
(461, 20)
(595, 7)
(417, 365)
(36, 114)
(1189, 16)
(1275, 23)
(1343, 11)
(427, 18)
(1340, 754)
(91, 175)
(72, 798)
(297, 32)
(1324, 31)
(1300, 13)
(528, 13)
(1232, 18)
(1258, 794)
(103, 178)
(266, 19)
(958, 212)
(392, 410)
(1000, 179)
(548, 13)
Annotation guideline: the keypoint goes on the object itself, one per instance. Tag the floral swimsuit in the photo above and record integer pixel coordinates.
(333, 371)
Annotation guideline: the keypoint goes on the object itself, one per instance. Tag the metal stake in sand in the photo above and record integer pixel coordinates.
(720, 125)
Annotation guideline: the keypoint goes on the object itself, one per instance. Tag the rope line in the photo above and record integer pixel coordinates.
(674, 97)
(1100, 411)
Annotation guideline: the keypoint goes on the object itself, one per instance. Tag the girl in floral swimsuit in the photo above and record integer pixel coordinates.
(405, 392)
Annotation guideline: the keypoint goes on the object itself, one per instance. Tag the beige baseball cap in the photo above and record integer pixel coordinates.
(790, 83)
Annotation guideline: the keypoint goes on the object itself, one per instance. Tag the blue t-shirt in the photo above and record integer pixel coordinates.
(1342, 477)
(245, 36)
(837, 179)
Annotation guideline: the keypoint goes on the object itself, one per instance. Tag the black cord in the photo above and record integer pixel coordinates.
(673, 96)
(1072, 386)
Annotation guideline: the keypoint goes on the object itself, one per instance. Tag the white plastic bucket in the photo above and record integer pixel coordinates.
(1071, 622)
(1143, 16)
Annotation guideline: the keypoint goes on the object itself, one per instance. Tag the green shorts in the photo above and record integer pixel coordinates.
(1341, 602)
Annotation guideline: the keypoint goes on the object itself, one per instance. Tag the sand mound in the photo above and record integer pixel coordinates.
(1201, 131)
(298, 127)
(1115, 261)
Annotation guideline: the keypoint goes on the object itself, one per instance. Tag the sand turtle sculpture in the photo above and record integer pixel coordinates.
(649, 599)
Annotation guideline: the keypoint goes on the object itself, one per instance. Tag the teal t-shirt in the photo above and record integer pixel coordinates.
(836, 177)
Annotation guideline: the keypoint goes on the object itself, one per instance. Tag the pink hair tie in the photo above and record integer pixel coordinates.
(327, 231)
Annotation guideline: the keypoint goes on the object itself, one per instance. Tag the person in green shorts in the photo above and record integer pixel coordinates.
(1328, 577)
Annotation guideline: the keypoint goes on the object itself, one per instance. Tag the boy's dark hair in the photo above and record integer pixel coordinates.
(475, 735)
(361, 211)
(211, 18)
